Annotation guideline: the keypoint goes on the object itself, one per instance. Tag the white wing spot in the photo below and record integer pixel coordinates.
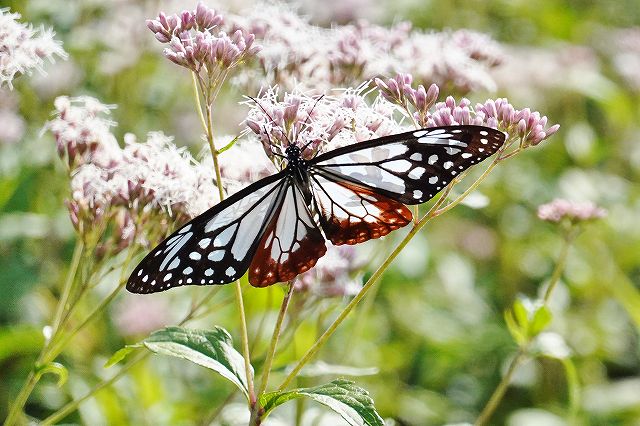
(466, 155)
(452, 151)
(145, 278)
(204, 243)
(230, 271)
(153, 282)
(174, 263)
(140, 272)
(417, 173)
(448, 165)
(484, 132)
(433, 179)
(417, 156)
(195, 255)
(189, 280)
(215, 255)
(420, 133)
(399, 166)
(208, 272)
(167, 277)
(185, 229)
(187, 271)
(417, 194)
(433, 158)
(481, 149)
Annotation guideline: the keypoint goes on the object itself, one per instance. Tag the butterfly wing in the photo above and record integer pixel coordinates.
(215, 247)
(360, 189)
(291, 244)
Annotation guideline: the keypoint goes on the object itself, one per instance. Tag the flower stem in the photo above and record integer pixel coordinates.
(497, 395)
(499, 392)
(238, 287)
(274, 339)
(72, 405)
(19, 402)
(433, 212)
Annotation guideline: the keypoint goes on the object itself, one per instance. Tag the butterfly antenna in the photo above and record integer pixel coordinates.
(307, 120)
(270, 118)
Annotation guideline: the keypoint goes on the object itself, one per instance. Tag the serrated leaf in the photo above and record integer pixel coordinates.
(342, 396)
(212, 349)
(53, 368)
(121, 354)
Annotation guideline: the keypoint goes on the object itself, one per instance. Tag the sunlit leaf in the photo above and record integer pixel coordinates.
(342, 396)
(212, 349)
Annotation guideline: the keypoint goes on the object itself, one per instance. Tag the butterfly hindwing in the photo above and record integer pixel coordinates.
(410, 167)
(215, 247)
(291, 243)
(351, 214)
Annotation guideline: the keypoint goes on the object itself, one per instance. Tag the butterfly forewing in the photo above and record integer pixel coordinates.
(215, 247)
(292, 243)
(410, 167)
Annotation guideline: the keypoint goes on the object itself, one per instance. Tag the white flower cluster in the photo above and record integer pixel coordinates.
(22, 48)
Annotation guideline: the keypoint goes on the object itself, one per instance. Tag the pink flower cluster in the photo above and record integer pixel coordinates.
(560, 209)
(319, 124)
(22, 48)
(194, 43)
(296, 52)
(138, 186)
(529, 125)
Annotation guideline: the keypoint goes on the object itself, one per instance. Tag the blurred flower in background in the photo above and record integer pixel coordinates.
(23, 49)
(574, 211)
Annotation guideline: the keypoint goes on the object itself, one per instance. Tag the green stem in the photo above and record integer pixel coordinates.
(238, 287)
(72, 405)
(435, 211)
(274, 339)
(66, 292)
(15, 411)
(560, 264)
(499, 392)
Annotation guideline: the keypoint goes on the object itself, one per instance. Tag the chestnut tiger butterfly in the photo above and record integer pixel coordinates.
(277, 227)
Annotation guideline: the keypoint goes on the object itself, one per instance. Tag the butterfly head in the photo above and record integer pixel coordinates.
(293, 154)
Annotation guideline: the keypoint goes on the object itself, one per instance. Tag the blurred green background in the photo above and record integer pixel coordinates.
(435, 330)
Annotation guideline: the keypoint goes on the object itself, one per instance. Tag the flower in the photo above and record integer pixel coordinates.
(318, 124)
(560, 209)
(138, 186)
(298, 53)
(23, 49)
(195, 41)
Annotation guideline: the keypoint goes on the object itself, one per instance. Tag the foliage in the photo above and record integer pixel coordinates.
(460, 305)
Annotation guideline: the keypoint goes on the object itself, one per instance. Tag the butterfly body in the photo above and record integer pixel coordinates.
(276, 228)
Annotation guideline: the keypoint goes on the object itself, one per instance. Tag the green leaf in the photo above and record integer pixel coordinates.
(345, 398)
(121, 354)
(212, 349)
(53, 368)
(520, 314)
(514, 328)
(541, 318)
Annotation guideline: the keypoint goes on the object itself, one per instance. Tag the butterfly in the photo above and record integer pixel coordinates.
(277, 227)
